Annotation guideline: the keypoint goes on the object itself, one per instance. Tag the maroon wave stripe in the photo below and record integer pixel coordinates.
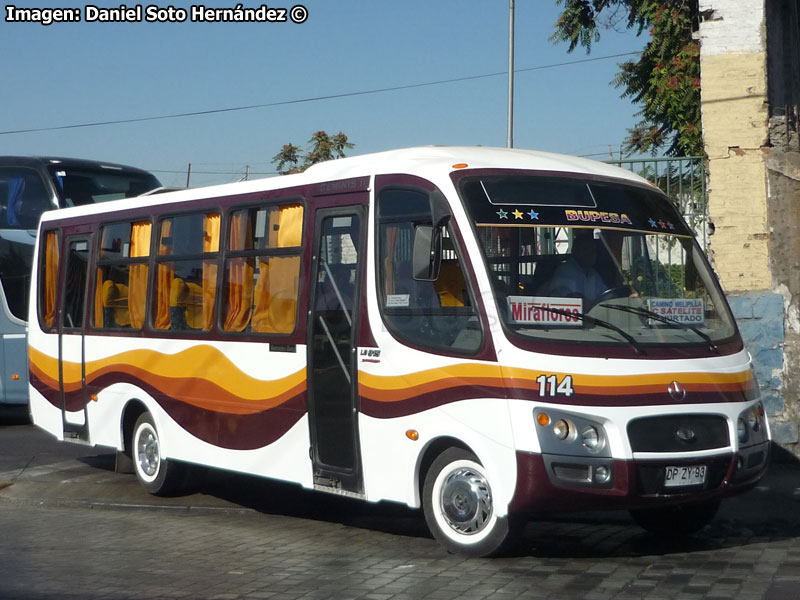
(414, 404)
(225, 430)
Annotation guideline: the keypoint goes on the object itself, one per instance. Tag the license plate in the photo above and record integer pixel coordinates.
(681, 476)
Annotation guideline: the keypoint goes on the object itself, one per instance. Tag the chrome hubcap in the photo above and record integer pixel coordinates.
(147, 451)
(466, 501)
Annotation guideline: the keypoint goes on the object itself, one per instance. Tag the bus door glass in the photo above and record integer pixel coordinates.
(332, 385)
(72, 375)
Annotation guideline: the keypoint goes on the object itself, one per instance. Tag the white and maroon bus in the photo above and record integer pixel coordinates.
(484, 333)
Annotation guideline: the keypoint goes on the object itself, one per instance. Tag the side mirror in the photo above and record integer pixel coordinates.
(426, 257)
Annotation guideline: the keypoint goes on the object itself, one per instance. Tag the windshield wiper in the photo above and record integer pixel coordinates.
(595, 321)
(638, 310)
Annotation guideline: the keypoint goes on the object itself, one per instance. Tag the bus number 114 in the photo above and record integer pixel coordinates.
(549, 385)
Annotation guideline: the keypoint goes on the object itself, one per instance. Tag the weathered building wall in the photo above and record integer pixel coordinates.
(735, 111)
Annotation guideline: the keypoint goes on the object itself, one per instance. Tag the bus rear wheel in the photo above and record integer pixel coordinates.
(161, 477)
(459, 506)
(676, 521)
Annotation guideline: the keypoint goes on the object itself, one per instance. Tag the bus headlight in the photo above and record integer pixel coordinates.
(753, 419)
(591, 439)
(741, 430)
(561, 429)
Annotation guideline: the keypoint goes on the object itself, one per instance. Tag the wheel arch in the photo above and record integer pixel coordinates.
(428, 455)
(134, 408)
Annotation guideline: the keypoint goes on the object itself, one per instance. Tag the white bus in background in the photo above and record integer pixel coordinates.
(483, 333)
(29, 186)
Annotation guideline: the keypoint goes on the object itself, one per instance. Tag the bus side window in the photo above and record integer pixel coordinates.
(435, 314)
(122, 275)
(186, 279)
(262, 270)
(23, 198)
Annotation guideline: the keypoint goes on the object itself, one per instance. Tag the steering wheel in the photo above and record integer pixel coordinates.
(620, 291)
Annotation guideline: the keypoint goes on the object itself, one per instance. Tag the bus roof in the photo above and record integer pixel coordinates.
(432, 162)
(45, 161)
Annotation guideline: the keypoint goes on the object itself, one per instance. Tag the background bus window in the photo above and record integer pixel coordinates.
(82, 185)
(262, 270)
(433, 314)
(121, 281)
(186, 281)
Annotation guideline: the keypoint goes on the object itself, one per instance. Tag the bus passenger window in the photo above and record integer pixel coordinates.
(435, 314)
(262, 270)
(122, 274)
(186, 281)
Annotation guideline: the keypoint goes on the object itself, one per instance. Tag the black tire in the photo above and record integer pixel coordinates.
(458, 504)
(161, 477)
(676, 521)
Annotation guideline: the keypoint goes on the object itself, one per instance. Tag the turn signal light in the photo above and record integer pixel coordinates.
(412, 434)
(15, 377)
(460, 166)
(543, 419)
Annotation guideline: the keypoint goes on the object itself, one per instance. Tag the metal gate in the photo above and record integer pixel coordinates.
(684, 181)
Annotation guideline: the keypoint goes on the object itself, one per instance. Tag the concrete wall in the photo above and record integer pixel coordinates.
(735, 110)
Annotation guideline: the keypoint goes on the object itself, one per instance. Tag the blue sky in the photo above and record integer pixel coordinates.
(73, 73)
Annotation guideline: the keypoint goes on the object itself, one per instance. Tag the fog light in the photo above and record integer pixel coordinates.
(561, 429)
(601, 474)
(591, 439)
(741, 430)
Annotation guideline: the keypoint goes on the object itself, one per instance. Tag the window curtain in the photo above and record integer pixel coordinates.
(137, 275)
(240, 275)
(164, 277)
(210, 244)
(50, 277)
(98, 299)
(290, 226)
(276, 291)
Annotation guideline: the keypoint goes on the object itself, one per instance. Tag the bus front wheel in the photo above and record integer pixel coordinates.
(459, 506)
(161, 477)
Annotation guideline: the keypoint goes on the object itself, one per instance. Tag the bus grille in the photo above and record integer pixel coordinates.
(678, 433)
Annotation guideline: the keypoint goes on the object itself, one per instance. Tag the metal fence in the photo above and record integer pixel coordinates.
(684, 181)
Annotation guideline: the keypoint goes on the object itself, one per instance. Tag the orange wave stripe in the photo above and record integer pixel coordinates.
(199, 376)
(395, 388)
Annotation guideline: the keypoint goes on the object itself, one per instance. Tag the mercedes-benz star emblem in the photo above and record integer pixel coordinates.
(676, 391)
(685, 434)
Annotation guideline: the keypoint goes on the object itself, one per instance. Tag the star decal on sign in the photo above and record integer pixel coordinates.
(534, 215)
(652, 223)
(502, 214)
(517, 214)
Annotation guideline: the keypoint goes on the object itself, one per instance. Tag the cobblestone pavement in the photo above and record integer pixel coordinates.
(72, 528)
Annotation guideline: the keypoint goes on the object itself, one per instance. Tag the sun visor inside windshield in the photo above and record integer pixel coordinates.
(567, 202)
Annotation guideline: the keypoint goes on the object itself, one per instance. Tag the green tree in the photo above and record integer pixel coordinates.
(323, 147)
(665, 79)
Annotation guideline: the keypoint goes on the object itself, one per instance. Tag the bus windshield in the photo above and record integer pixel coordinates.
(593, 262)
(82, 185)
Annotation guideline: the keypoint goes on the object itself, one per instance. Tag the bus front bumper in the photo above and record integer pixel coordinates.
(549, 483)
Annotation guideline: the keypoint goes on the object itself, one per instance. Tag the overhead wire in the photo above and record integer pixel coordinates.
(311, 99)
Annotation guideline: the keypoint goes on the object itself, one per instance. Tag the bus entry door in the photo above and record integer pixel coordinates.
(332, 387)
(71, 369)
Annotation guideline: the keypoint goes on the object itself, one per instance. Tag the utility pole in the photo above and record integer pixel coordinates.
(510, 138)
